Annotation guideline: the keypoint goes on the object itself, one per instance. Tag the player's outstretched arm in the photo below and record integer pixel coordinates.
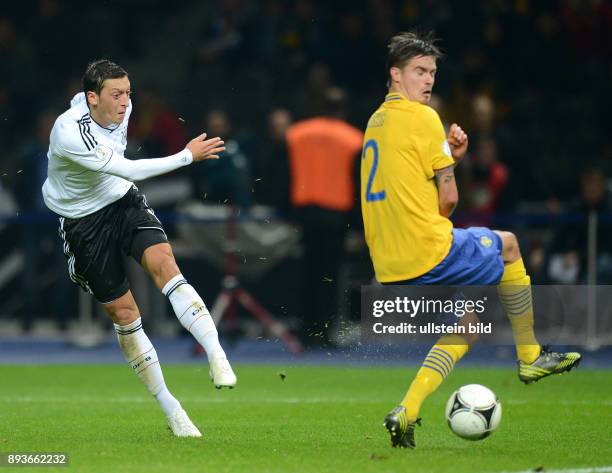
(448, 196)
(197, 149)
(457, 141)
(85, 151)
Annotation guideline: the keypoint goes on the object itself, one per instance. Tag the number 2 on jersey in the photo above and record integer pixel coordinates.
(369, 195)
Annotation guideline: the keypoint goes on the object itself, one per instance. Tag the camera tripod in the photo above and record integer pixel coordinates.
(232, 293)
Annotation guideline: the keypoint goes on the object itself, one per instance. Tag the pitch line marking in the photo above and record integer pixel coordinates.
(593, 469)
(285, 400)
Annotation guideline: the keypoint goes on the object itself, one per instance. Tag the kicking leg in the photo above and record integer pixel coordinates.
(142, 357)
(514, 291)
(189, 308)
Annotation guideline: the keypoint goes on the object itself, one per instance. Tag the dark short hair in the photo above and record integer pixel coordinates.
(404, 46)
(99, 71)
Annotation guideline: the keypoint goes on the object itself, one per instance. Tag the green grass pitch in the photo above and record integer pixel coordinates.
(319, 419)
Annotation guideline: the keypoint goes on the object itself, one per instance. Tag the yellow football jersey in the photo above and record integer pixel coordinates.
(404, 144)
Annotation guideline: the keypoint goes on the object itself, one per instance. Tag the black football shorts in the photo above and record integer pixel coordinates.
(95, 245)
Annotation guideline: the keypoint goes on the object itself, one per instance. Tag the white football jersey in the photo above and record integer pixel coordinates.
(72, 190)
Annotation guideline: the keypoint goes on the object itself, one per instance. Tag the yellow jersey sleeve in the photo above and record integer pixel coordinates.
(404, 144)
(439, 154)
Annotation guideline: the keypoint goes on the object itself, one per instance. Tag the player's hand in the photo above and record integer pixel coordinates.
(458, 141)
(202, 149)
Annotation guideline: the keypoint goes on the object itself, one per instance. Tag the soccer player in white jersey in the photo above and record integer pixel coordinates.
(102, 217)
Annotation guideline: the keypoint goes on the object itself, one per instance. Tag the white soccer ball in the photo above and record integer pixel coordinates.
(473, 412)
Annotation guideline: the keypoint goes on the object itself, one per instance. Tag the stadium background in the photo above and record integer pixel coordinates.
(529, 81)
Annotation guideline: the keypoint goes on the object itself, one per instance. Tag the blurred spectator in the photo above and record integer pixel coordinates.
(322, 153)
(39, 237)
(271, 183)
(228, 179)
(569, 250)
(485, 181)
(304, 36)
(438, 105)
(52, 29)
(589, 24)
(311, 98)
(18, 78)
(483, 110)
(155, 127)
(224, 33)
(33, 166)
(353, 43)
(485, 123)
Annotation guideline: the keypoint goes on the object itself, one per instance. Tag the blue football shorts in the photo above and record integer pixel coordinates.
(475, 259)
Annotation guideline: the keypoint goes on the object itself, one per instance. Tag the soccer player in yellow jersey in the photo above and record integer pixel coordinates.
(408, 192)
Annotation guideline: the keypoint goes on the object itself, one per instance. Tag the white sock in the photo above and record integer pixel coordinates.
(142, 357)
(193, 314)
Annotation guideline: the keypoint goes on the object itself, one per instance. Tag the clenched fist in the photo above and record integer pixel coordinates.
(458, 141)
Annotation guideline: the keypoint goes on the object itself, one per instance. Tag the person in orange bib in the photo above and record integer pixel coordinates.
(323, 153)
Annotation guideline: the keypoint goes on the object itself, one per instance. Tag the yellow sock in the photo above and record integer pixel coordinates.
(515, 295)
(438, 364)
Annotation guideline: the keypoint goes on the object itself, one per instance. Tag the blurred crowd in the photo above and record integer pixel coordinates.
(528, 80)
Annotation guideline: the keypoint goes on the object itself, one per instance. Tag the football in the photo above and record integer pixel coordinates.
(473, 412)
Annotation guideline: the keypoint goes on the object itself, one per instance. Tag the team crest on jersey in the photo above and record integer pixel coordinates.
(446, 148)
(103, 152)
(486, 241)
